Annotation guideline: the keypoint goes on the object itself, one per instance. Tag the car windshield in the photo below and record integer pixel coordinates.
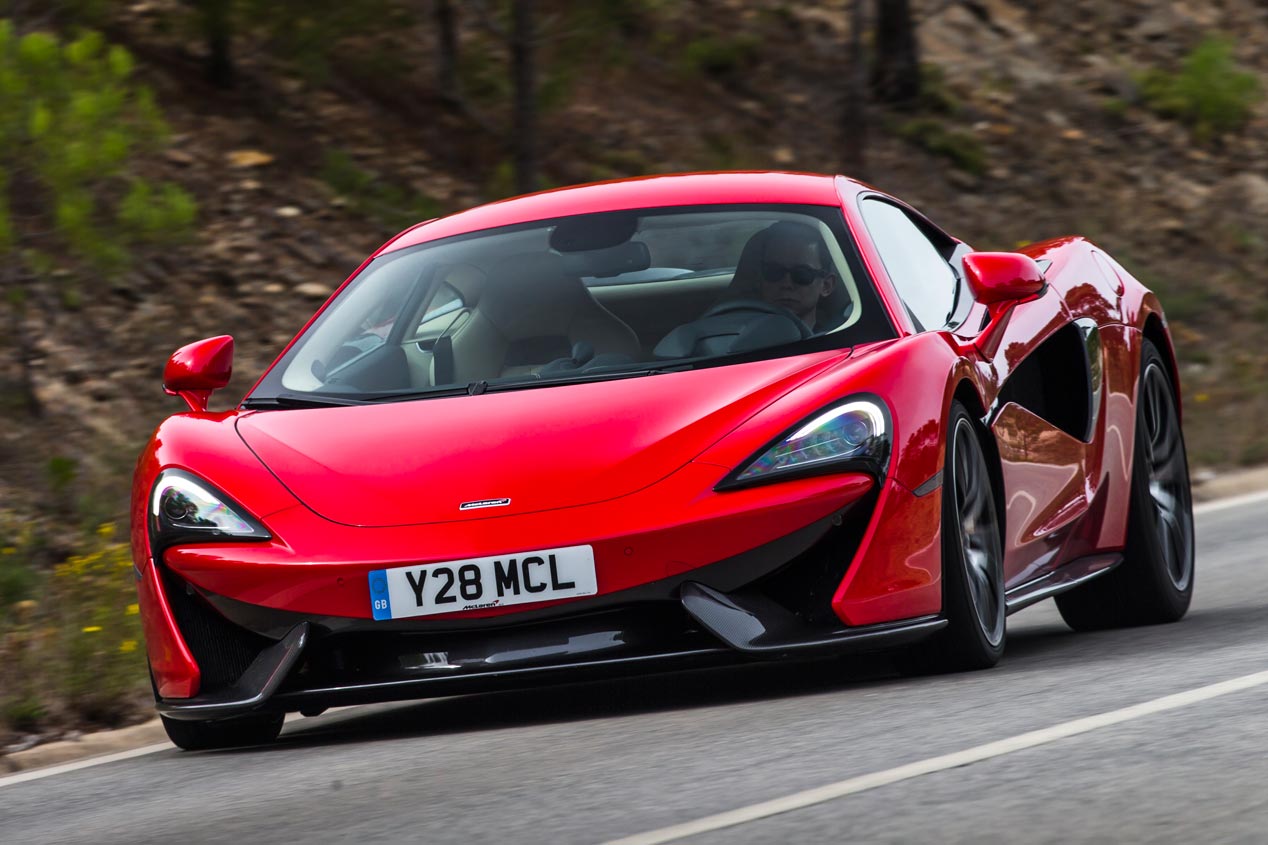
(584, 298)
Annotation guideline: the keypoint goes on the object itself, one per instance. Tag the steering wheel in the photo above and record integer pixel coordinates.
(756, 308)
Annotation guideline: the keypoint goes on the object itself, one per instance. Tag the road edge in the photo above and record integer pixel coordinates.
(98, 744)
(1231, 488)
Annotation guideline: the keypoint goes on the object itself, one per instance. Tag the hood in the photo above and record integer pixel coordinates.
(415, 462)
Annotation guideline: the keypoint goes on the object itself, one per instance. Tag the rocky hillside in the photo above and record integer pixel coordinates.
(1036, 122)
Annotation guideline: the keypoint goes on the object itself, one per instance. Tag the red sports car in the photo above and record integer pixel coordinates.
(654, 424)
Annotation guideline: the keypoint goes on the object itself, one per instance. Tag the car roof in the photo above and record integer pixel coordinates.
(683, 189)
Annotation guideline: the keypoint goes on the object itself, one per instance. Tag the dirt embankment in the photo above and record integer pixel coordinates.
(1034, 125)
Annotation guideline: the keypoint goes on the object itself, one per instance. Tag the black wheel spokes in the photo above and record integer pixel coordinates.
(979, 533)
(1168, 477)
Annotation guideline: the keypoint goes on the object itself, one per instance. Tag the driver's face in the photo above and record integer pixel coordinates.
(783, 290)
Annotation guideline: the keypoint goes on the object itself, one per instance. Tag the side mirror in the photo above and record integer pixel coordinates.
(195, 370)
(1000, 277)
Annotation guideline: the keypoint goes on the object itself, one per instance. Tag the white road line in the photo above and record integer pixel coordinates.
(37, 774)
(1231, 502)
(840, 789)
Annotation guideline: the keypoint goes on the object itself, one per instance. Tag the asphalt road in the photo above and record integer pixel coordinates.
(596, 762)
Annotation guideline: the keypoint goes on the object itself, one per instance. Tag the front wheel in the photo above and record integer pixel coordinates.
(210, 734)
(1154, 583)
(972, 560)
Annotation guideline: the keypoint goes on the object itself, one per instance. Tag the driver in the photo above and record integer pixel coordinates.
(794, 270)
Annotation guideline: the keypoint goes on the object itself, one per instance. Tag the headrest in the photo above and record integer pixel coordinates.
(528, 291)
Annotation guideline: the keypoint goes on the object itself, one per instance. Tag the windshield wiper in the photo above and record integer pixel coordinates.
(426, 393)
(475, 388)
(581, 378)
(295, 400)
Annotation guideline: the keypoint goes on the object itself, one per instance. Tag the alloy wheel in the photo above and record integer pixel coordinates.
(979, 531)
(1168, 476)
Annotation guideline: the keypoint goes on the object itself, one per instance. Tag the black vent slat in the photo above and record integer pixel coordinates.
(223, 650)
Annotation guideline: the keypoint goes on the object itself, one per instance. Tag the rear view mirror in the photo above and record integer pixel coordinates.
(196, 370)
(996, 277)
(629, 257)
(594, 231)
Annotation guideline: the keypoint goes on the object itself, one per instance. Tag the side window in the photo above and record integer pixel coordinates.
(924, 280)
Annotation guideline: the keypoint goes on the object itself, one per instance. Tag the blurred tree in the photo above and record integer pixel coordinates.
(855, 117)
(216, 21)
(524, 107)
(896, 69)
(71, 124)
(521, 39)
(446, 52)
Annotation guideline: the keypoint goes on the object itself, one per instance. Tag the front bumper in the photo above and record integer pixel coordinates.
(768, 602)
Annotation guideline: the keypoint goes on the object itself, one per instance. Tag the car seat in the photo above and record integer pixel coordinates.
(530, 313)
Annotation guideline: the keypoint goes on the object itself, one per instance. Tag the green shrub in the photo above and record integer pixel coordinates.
(19, 577)
(1209, 93)
(390, 204)
(935, 93)
(73, 652)
(95, 610)
(17, 580)
(960, 148)
(72, 123)
(714, 55)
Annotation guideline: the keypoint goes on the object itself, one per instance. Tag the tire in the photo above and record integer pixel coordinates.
(972, 561)
(223, 733)
(1154, 583)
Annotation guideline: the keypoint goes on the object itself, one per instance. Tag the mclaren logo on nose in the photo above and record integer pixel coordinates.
(484, 503)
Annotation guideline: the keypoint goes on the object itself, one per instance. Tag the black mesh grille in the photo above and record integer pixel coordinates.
(223, 650)
(805, 585)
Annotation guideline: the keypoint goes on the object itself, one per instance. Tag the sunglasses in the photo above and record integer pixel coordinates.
(801, 274)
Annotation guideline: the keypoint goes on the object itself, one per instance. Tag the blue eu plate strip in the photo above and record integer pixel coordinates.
(380, 598)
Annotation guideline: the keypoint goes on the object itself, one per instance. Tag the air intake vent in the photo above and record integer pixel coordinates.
(223, 650)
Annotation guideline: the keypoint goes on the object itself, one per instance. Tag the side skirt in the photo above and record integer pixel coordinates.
(1067, 577)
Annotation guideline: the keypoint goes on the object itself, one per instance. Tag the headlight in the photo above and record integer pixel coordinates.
(851, 435)
(186, 509)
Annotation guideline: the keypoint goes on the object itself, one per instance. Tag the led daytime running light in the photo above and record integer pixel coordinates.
(185, 509)
(190, 504)
(855, 432)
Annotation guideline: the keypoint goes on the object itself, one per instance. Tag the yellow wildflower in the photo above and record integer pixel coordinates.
(133, 609)
(127, 646)
(92, 629)
(105, 530)
(9, 550)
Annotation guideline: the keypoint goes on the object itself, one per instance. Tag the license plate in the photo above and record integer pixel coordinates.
(482, 582)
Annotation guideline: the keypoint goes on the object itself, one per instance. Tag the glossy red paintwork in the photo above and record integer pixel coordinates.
(1002, 276)
(176, 674)
(197, 369)
(426, 458)
(629, 467)
(645, 192)
(668, 528)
